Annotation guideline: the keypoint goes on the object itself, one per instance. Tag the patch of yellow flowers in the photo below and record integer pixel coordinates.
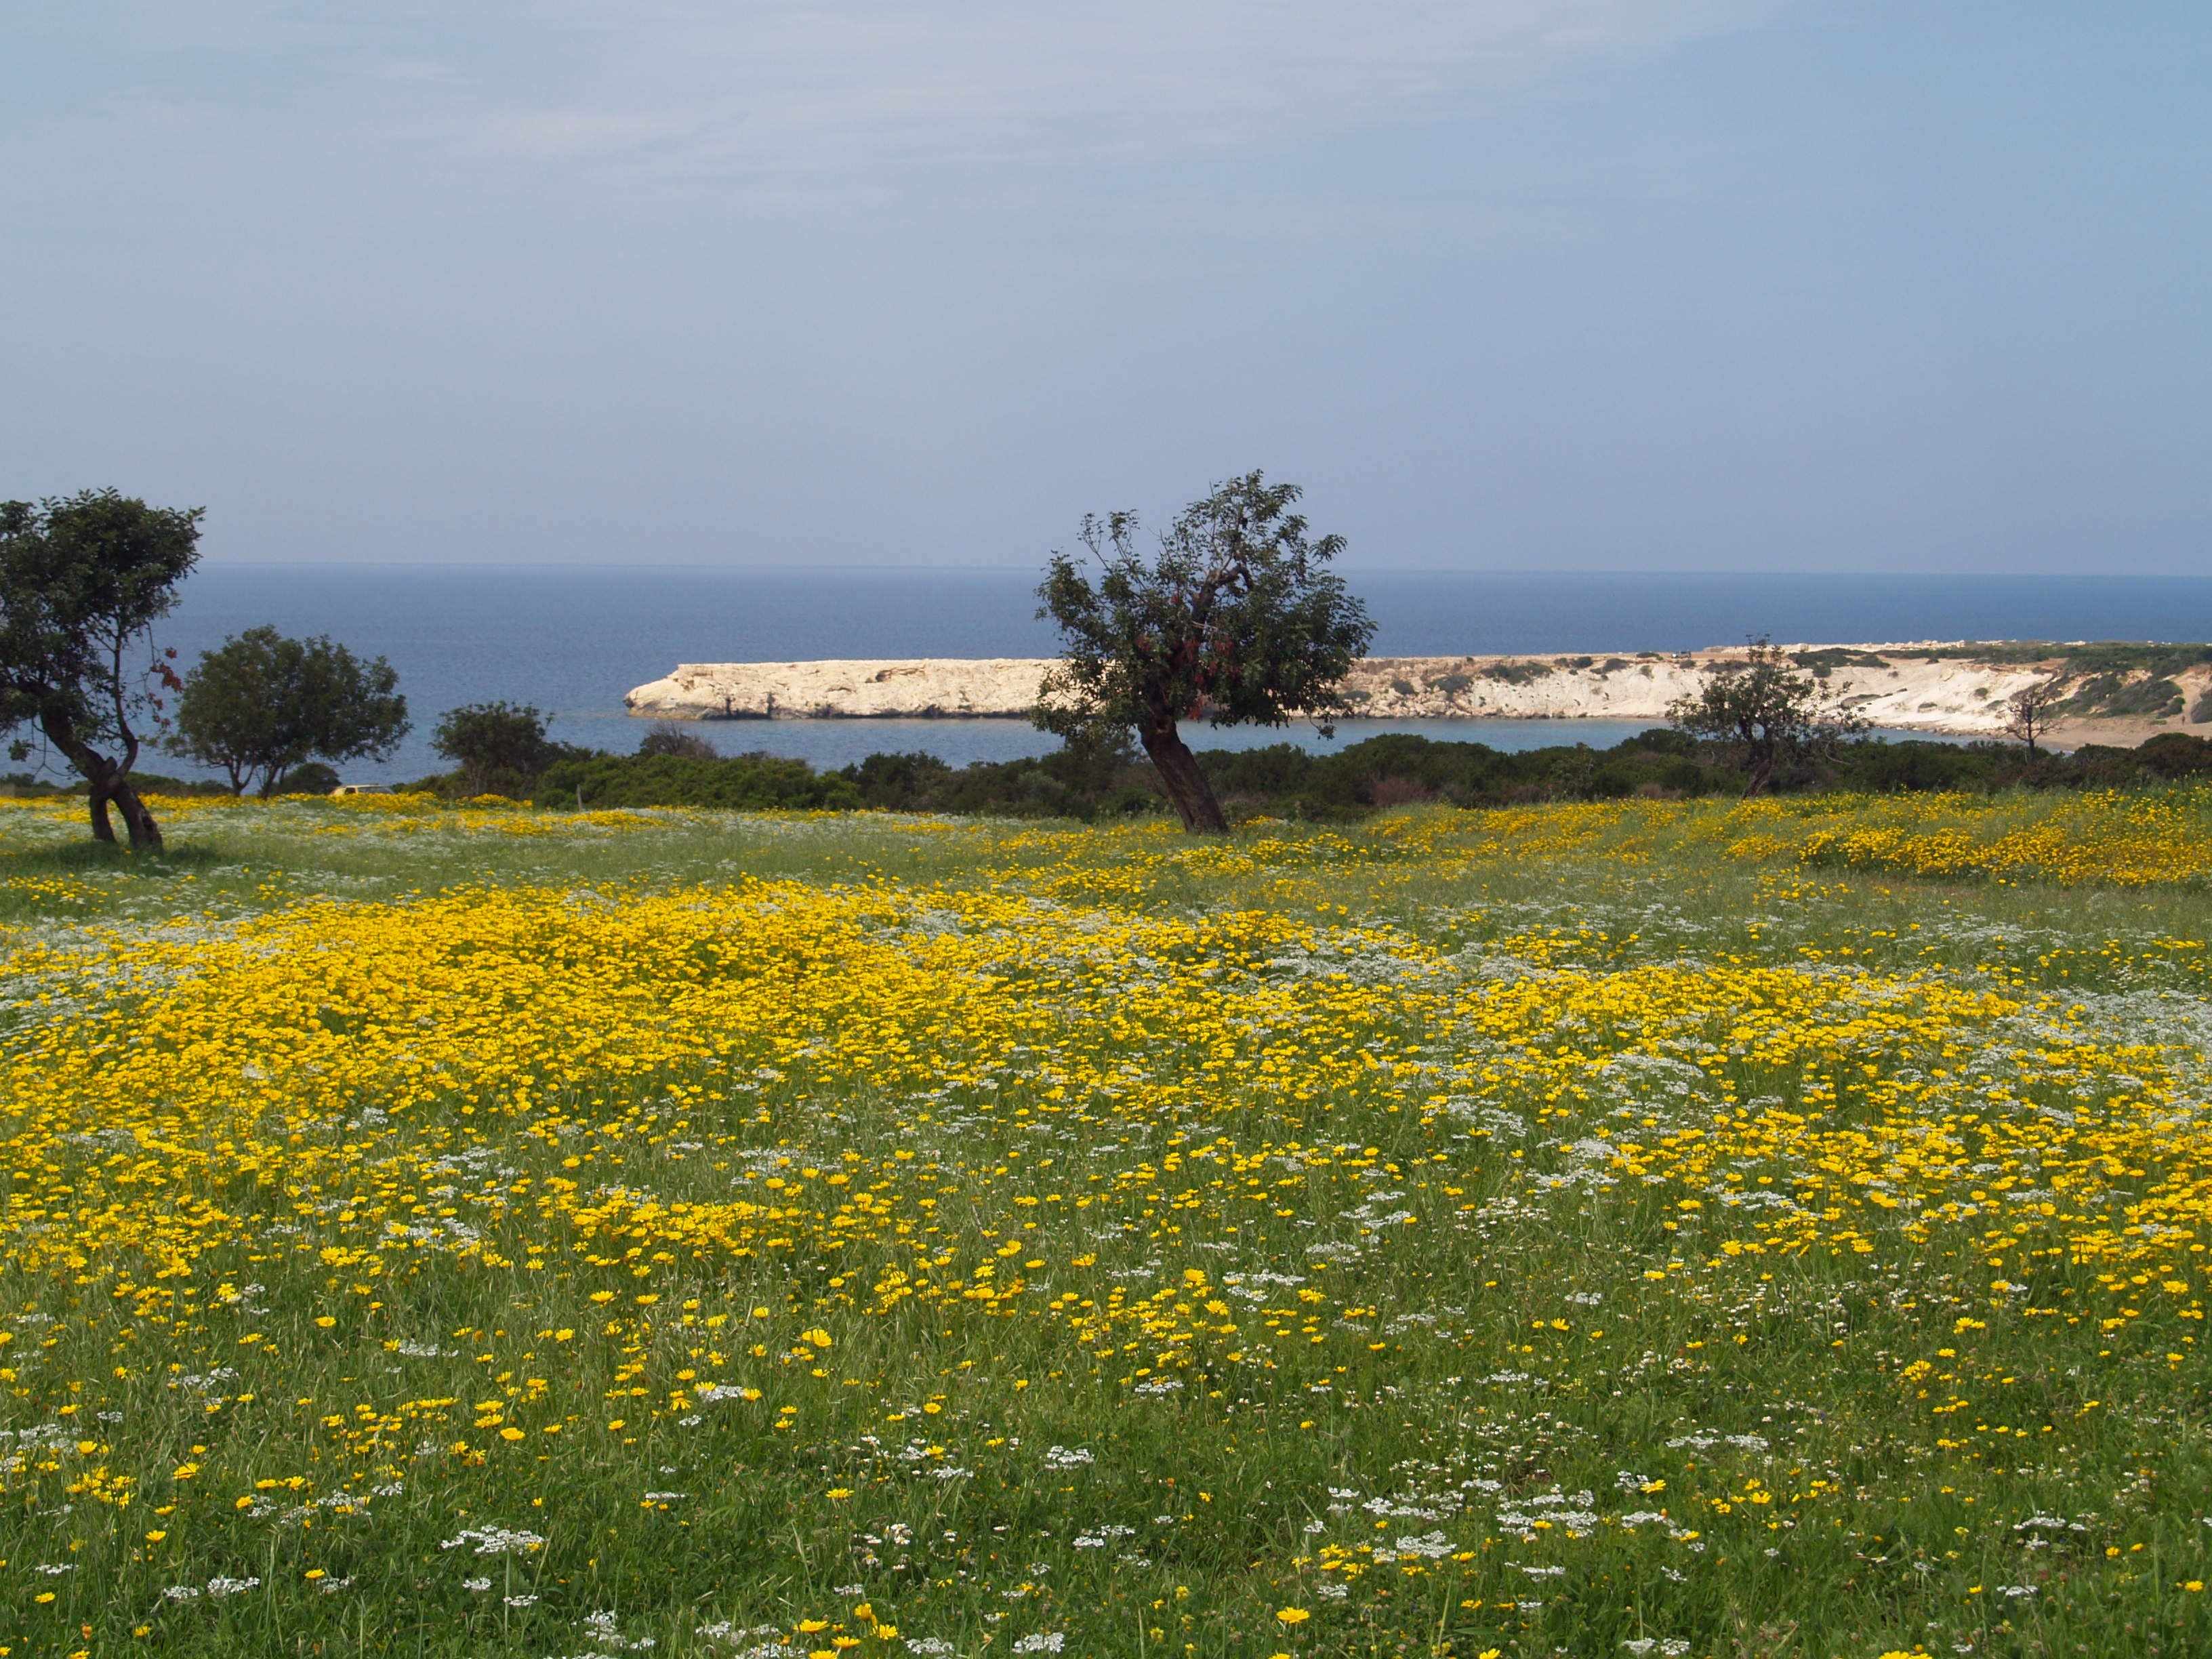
(478, 1195)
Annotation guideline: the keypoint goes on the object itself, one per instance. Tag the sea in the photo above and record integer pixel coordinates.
(572, 639)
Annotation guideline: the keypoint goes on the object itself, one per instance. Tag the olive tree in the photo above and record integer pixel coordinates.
(1768, 710)
(84, 579)
(499, 748)
(1236, 619)
(260, 704)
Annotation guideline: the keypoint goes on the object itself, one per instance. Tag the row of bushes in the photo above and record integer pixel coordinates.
(1287, 781)
(1077, 781)
(745, 782)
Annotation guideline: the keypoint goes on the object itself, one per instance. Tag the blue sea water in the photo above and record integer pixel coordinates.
(572, 639)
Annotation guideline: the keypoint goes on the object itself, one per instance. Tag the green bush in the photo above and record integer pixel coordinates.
(750, 782)
(308, 777)
(1283, 779)
(666, 738)
(2176, 755)
(498, 748)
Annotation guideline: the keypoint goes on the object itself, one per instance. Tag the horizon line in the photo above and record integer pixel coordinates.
(248, 562)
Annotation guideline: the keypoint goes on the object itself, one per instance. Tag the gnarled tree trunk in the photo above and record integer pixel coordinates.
(145, 833)
(102, 830)
(1186, 783)
(105, 781)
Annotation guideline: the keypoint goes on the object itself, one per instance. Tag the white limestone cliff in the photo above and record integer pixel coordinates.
(1890, 686)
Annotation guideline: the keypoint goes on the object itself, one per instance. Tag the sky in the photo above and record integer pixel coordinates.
(1548, 285)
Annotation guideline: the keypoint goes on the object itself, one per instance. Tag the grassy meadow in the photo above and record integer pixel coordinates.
(1646, 1229)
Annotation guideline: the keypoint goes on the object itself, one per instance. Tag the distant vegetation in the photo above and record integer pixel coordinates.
(2093, 657)
(1095, 782)
(2117, 678)
(1236, 619)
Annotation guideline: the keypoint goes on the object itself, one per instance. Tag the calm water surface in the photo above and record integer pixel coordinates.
(573, 640)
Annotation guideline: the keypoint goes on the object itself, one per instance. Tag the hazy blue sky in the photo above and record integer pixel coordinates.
(1521, 284)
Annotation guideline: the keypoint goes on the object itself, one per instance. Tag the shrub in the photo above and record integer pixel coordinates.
(2176, 755)
(666, 738)
(1385, 793)
(2120, 692)
(1091, 782)
(906, 783)
(308, 777)
(753, 782)
(1516, 673)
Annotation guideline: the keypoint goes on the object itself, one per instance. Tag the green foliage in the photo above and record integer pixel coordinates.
(2124, 657)
(1096, 783)
(2175, 755)
(1092, 776)
(308, 777)
(1397, 769)
(1516, 673)
(1236, 620)
(259, 705)
(749, 783)
(1822, 663)
(2124, 692)
(1770, 713)
(83, 578)
(499, 748)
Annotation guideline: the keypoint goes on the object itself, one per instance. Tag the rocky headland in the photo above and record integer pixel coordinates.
(2110, 693)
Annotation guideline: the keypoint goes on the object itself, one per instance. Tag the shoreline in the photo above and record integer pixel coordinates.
(2115, 694)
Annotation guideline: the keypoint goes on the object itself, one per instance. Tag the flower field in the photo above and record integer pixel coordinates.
(1647, 1229)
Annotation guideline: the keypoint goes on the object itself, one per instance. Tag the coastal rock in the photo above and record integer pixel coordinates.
(1926, 685)
(951, 688)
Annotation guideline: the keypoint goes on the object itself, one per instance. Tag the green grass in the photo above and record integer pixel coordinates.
(503, 1108)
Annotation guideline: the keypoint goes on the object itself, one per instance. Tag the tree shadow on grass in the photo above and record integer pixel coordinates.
(85, 857)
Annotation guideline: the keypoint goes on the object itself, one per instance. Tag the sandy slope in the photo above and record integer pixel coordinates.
(1902, 690)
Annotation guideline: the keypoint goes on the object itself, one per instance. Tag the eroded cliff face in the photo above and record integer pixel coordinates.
(1923, 687)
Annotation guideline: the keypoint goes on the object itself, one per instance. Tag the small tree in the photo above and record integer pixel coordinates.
(2031, 712)
(83, 578)
(259, 705)
(666, 738)
(500, 747)
(1767, 710)
(1237, 619)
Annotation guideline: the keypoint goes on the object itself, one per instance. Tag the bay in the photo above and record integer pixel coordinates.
(572, 639)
